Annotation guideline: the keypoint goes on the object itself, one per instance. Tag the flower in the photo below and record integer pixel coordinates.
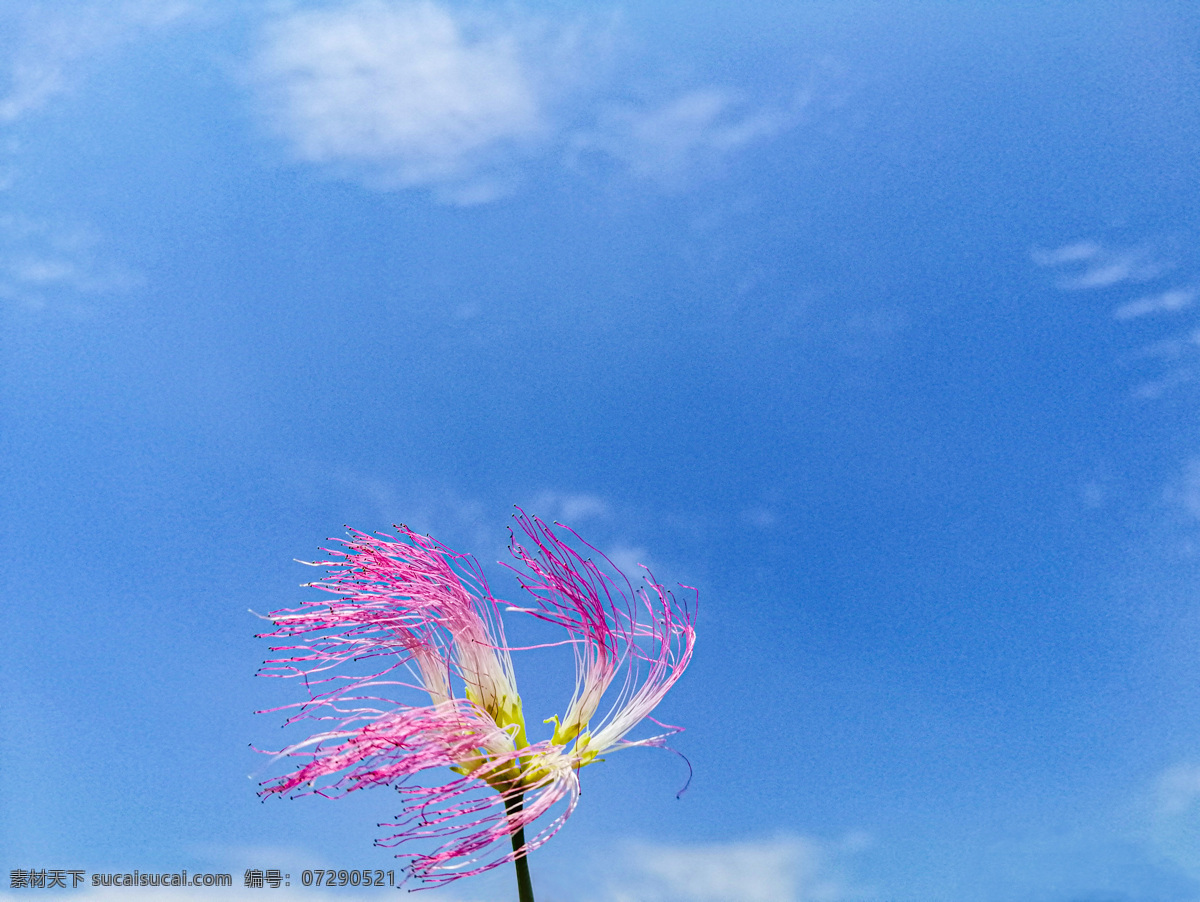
(423, 614)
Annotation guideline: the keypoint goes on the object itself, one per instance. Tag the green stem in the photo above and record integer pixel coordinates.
(524, 884)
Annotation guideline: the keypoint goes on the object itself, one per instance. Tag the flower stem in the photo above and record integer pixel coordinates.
(524, 884)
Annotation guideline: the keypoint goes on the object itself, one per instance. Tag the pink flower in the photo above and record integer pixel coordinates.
(423, 619)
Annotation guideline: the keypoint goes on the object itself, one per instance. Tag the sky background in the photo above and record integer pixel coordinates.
(877, 323)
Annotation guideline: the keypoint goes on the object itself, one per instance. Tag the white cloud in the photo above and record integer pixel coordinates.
(761, 517)
(786, 869)
(42, 261)
(1178, 789)
(670, 141)
(1168, 348)
(1084, 265)
(1130, 266)
(54, 42)
(400, 94)
(1104, 267)
(45, 51)
(1166, 302)
(406, 92)
(629, 560)
(566, 507)
(1156, 388)
(1184, 492)
(371, 502)
(1174, 816)
(1068, 253)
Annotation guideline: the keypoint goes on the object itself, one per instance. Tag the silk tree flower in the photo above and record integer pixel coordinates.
(438, 716)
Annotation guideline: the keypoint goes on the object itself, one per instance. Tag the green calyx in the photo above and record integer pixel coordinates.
(563, 734)
(585, 755)
(506, 712)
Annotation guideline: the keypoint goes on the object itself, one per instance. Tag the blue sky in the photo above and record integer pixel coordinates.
(877, 325)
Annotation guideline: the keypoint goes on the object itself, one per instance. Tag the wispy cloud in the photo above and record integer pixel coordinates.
(760, 517)
(1174, 817)
(1091, 265)
(1152, 389)
(43, 263)
(670, 141)
(629, 559)
(375, 501)
(1165, 302)
(47, 50)
(1183, 492)
(1076, 252)
(1178, 788)
(785, 869)
(52, 43)
(419, 95)
(568, 507)
(603, 524)
(1178, 355)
